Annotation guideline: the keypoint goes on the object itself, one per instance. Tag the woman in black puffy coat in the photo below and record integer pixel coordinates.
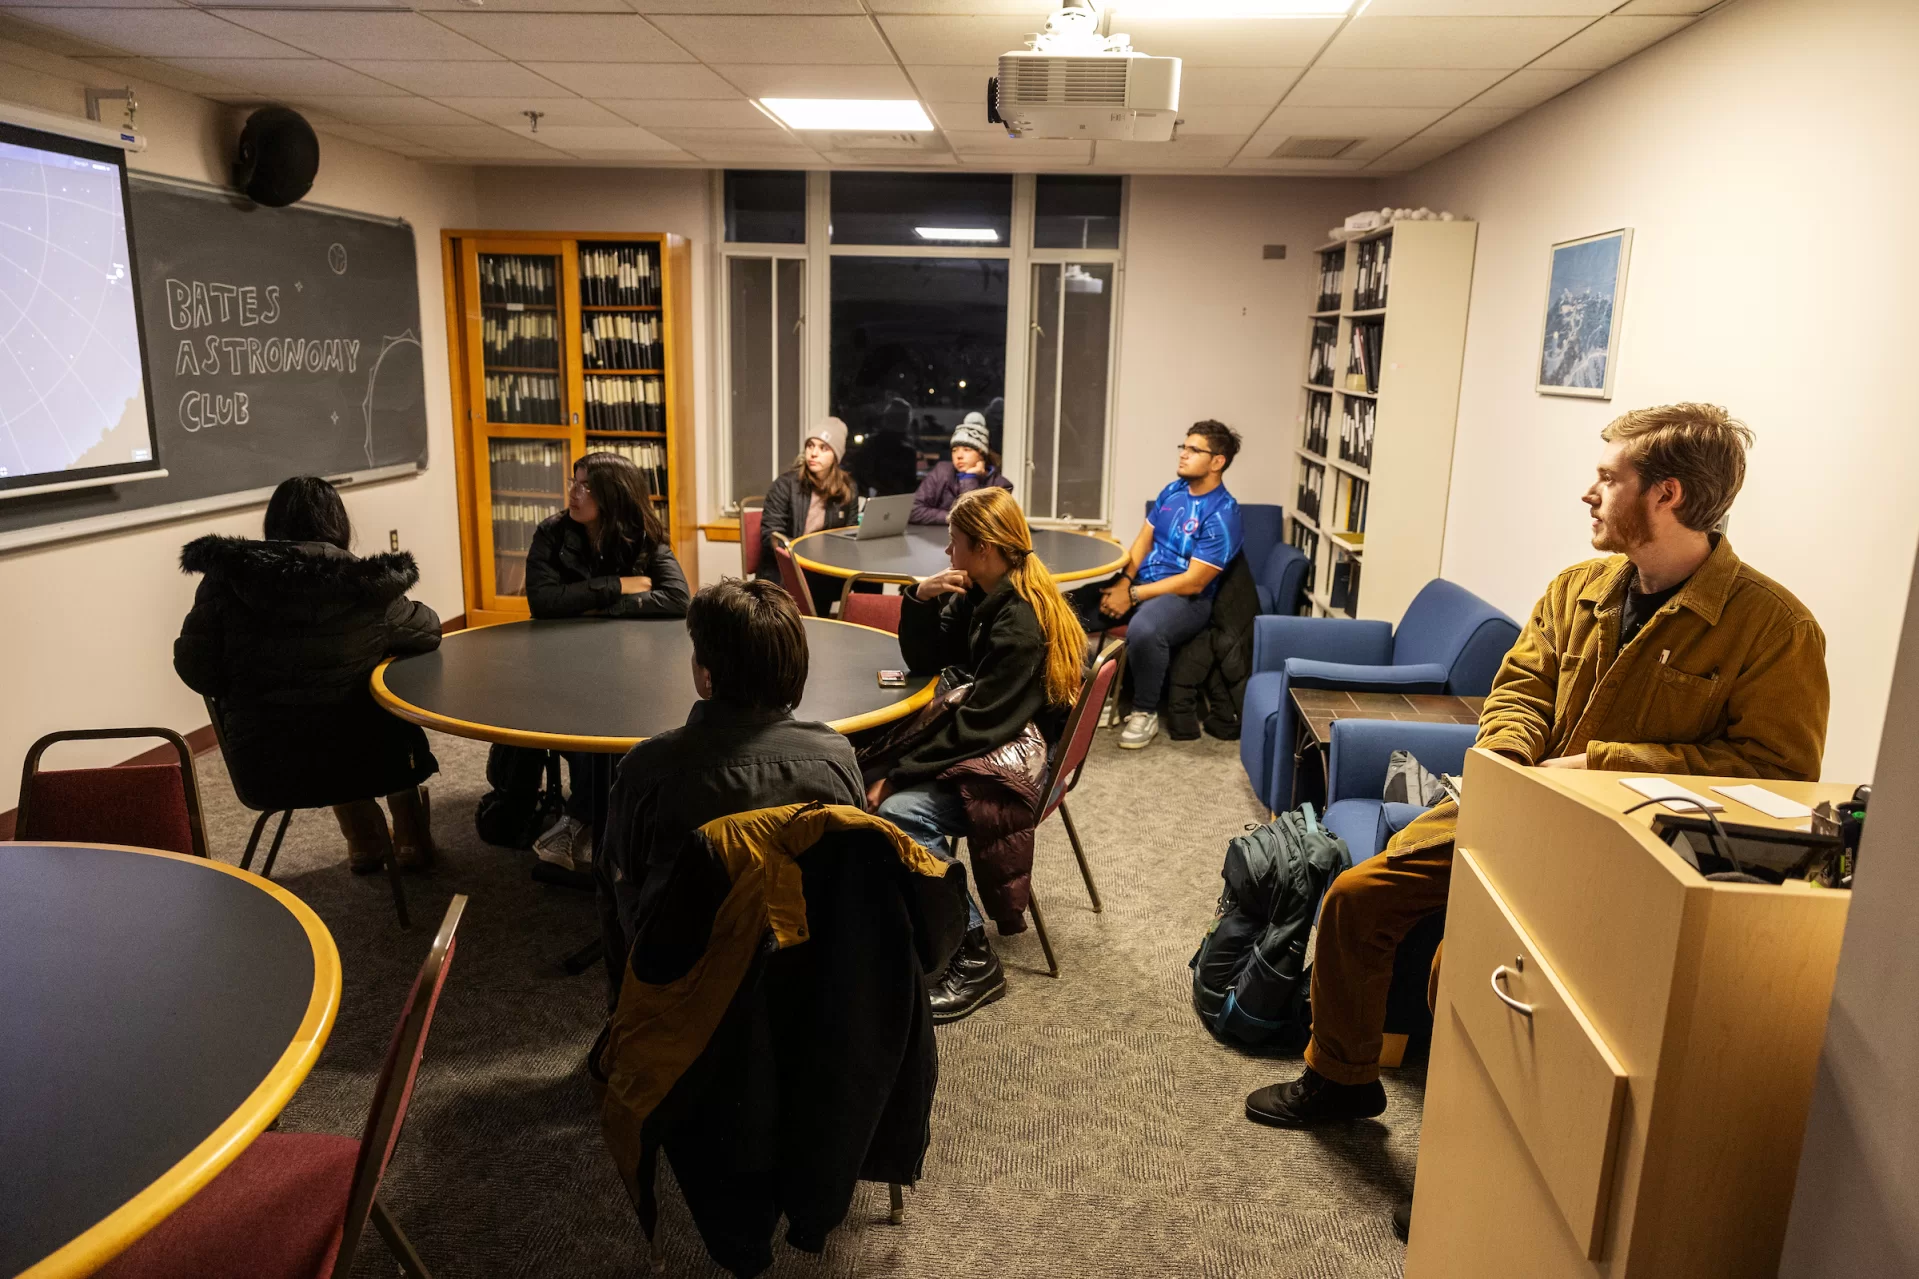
(282, 637)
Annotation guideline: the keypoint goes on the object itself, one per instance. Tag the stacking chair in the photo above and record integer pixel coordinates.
(295, 1205)
(791, 577)
(750, 536)
(247, 789)
(141, 805)
(873, 608)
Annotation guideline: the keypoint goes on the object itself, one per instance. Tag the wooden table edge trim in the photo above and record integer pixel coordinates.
(114, 1233)
(1082, 575)
(406, 710)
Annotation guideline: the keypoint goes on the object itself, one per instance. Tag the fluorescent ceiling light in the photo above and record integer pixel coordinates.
(878, 115)
(1124, 9)
(973, 234)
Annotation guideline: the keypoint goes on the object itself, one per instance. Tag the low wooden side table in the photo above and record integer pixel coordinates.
(1315, 709)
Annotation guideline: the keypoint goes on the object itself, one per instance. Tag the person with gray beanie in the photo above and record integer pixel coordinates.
(815, 494)
(973, 465)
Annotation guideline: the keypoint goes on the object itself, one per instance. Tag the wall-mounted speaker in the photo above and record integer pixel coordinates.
(278, 156)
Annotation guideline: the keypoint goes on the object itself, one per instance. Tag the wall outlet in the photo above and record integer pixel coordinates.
(393, 539)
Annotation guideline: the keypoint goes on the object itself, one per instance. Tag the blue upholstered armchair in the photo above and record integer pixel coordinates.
(1356, 774)
(1449, 641)
(1278, 567)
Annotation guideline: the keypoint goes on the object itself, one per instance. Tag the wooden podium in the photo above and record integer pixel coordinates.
(1644, 1118)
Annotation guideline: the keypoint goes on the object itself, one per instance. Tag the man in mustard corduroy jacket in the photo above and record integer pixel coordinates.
(1668, 656)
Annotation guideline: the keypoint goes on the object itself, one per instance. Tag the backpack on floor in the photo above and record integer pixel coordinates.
(525, 798)
(1250, 984)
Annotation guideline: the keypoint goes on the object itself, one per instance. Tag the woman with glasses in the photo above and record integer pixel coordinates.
(605, 555)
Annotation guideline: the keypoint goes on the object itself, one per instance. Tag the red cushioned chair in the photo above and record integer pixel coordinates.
(295, 1205)
(749, 537)
(1069, 761)
(873, 608)
(791, 577)
(142, 805)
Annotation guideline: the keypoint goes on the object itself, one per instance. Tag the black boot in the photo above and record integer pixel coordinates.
(973, 980)
(1314, 1099)
(1403, 1219)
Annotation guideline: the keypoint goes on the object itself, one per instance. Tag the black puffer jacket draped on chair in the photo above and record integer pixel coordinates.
(282, 637)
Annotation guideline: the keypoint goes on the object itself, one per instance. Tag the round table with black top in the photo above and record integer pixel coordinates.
(602, 685)
(921, 552)
(156, 1013)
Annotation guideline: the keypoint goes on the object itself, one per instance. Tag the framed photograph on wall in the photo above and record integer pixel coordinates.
(1585, 293)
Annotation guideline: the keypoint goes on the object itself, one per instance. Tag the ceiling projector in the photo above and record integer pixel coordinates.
(1078, 84)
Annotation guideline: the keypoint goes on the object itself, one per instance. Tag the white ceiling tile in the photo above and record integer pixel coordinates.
(505, 110)
(567, 37)
(633, 159)
(1528, 87)
(967, 116)
(625, 137)
(637, 79)
(27, 41)
(1196, 150)
(162, 73)
(1235, 86)
(749, 6)
(952, 84)
(98, 4)
(1234, 42)
(1638, 8)
(687, 113)
(1489, 8)
(1410, 155)
(288, 76)
(991, 8)
(522, 6)
(1470, 122)
(1220, 120)
(1405, 87)
(351, 132)
(1454, 43)
(763, 80)
(364, 35)
(1296, 167)
(993, 143)
(760, 157)
(1608, 41)
(819, 41)
(770, 138)
(470, 140)
(158, 32)
(1344, 122)
(460, 79)
(956, 40)
(377, 111)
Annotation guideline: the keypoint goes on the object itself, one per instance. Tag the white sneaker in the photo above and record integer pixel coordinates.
(557, 844)
(583, 847)
(1141, 728)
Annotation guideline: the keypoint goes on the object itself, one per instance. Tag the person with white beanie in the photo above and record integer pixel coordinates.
(973, 465)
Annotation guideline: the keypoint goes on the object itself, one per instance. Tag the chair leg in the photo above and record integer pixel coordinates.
(1109, 713)
(253, 843)
(399, 890)
(1039, 926)
(1085, 871)
(398, 1244)
(273, 851)
(896, 1204)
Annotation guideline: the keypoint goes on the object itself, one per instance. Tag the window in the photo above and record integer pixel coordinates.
(764, 302)
(765, 207)
(917, 343)
(923, 209)
(1076, 212)
(1072, 337)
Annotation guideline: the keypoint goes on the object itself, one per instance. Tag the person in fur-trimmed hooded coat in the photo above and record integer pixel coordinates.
(283, 635)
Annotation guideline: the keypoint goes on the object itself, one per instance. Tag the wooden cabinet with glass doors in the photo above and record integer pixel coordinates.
(561, 344)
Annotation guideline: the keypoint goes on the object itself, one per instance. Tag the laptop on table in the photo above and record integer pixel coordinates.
(883, 517)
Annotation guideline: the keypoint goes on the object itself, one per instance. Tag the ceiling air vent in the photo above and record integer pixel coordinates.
(882, 142)
(1314, 148)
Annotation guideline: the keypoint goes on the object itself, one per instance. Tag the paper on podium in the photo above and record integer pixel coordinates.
(1767, 802)
(1678, 798)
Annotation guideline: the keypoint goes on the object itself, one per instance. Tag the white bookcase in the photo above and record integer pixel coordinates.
(1382, 506)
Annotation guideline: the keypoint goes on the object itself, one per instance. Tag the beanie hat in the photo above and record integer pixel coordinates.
(972, 433)
(831, 432)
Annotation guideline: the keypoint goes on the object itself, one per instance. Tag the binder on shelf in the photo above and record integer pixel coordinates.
(1356, 432)
(1308, 543)
(624, 274)
(523, 339)
(523, 399)
(516, 279)
(1325, 351)
(1319, 415)
(611, 340)
(1372, 273)
(649, 456)
(1312, 482)
(1362, 360)
(625, 403)
(1332, 265)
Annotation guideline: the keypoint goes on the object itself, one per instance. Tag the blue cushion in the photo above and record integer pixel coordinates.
(1394, 818)
(1357, 822)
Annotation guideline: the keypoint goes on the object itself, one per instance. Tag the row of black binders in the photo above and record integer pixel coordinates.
(1308, 543)
(1332, 265)
(614, 340)
(1356, 506)
(523, 399)
(524, 339)
(516, 279)
(625, 404)
(1312, 482)
(527, 466)
(1372, 272)
(1342, 593)
(648, 455)
(619, 275)
(1320, 361)
(1362, 358)
(1319, 421)
(1356, 432)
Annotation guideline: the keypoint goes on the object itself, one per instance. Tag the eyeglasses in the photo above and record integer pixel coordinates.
(577, 484)
(1187, 450)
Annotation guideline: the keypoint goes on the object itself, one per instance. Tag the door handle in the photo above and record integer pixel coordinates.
(1499, 975)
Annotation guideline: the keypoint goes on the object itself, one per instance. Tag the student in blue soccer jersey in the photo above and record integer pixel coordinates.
(1164, 594)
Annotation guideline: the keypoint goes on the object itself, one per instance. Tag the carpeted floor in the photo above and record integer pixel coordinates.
(1085, 1127)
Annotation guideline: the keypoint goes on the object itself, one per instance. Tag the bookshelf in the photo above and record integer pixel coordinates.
(562, 344)
(1373, 460)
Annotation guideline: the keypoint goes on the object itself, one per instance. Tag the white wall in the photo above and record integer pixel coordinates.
(1210, 329)
(1765, 158)
(91, 624)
